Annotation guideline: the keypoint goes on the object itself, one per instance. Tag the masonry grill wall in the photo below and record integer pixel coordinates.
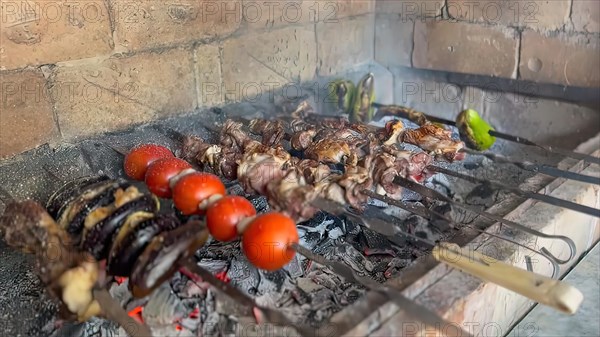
(78, 76)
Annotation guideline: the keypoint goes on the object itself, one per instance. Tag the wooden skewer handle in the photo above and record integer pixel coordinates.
(544, 290)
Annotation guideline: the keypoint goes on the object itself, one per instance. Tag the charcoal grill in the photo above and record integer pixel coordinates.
(214, 297)
(456, 296)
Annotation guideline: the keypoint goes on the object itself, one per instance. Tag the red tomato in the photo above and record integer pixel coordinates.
(141, 156)
(266, 241)
(161, 171)
(223, 216)
(194, 188)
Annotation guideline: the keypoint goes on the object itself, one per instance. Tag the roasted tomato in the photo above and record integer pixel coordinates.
(266, 241)
(223, 216)
(160, 173)
(194, 188)
(140, 157)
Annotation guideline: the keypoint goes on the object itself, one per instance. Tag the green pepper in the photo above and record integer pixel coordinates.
(474, 131)
(362, 108)
(340, 95)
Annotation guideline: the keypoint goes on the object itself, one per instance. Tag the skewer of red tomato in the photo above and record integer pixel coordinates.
(266, 238)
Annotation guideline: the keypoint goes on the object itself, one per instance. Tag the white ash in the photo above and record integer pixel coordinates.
(163, 307)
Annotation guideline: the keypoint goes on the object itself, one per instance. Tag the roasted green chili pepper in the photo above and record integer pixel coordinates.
(474, 131)
(362, 109)
(340, 95)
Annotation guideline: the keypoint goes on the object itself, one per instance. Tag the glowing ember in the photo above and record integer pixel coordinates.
(195, 313)
(223, 276)
(120, 279)
(136, 313)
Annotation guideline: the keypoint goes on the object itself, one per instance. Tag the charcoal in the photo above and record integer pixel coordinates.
(96, 327)
(210, 326)
(300, 296)
(212, 265)
(323, 299)
(350, 296)
(260, 203)
(348, 254)
(294, 268)
(375, 240)
(351, 227)
(335, 233)
(244, 276)
(310, 240)
(164, 307)
(482, 195)
(121, 293)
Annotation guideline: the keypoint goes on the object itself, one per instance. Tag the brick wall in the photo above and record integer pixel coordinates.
(553, 41)
(72, 69)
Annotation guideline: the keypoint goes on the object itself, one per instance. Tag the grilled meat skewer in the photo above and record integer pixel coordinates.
(291, 183)
(337, 137)
(296, 189)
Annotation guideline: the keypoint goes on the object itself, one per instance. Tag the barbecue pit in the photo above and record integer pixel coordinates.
(538, 108)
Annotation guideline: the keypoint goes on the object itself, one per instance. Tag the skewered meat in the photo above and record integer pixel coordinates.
(429, 137)
(291, 184)
(272, 131)
(69, 273)
(435, 140)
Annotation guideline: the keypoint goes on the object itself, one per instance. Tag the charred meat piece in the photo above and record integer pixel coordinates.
(292, 195)
(158, 262)
(301, 140)
(331, 151)
(435, 140)
(68, 273)
(272, 132)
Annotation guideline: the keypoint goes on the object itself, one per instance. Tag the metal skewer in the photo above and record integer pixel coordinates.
(541, 289)
(532, 195)
(408, 113)
(433, 216)
(433, 194)
(538, 168)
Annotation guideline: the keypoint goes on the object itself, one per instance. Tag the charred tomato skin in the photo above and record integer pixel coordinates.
(194, 188)
(266, 241)
(140, 157)
(160, 173)
(223, 216)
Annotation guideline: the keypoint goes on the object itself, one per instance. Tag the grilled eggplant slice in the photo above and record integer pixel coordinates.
(127, 248)
(70, 210)
(98, 239)
(69, 191)
(158, 262)
(76, 227)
